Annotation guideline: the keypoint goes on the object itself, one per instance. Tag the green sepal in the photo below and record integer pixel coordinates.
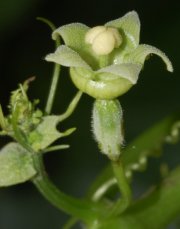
(46, 133)
(16, 165)
(140, 54)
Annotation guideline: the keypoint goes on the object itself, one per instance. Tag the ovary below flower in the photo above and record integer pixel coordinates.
(103, 39)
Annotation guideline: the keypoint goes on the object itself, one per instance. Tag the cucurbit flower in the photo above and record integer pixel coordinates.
(105, 61)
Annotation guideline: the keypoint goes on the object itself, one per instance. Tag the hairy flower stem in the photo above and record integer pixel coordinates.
(82, 209)
(126, 193)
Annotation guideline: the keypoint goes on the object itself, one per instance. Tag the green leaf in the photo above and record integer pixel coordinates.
(126, 71)
(140, 54)
(46, 133)
(16, 165)
(130, 25)
(67, 57)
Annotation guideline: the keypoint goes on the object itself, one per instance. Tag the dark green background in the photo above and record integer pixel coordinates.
(23, 44)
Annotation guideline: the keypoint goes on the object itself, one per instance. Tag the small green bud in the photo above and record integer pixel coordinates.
(103, 39)
(107, 127)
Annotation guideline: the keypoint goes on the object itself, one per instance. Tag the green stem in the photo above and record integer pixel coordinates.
(84, 210)
(71, 222)
(101, 191)
(2, 119)
(71, 106)
(55, 148)
(19, 136)
(53, 88)
(55, 77)
(126, 195)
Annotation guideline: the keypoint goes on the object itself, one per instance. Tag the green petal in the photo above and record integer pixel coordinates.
(126, 71)
(67, 57)
(140, 54)
(72, 34)
(16, 165)
(130, 24)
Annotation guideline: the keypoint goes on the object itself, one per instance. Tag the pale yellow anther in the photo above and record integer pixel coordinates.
(103, 39)
(104, 43)
(92, 33)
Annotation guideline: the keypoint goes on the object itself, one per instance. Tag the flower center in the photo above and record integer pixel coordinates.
(103, 39)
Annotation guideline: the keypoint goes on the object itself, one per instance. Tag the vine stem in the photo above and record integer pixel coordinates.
(83, 209)
(125, 189)
(52, 90)
(55, 77)
(71, 106)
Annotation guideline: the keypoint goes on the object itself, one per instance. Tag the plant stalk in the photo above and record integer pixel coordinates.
(53, 89)
(85, 210)
(124, 187)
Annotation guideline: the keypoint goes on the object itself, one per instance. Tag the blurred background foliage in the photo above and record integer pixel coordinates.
(24, 42)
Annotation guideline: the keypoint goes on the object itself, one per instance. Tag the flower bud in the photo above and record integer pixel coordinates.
(103, 39)
(107, 127)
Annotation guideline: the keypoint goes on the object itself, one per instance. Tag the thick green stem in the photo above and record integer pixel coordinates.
(84, 210)
(124, 188)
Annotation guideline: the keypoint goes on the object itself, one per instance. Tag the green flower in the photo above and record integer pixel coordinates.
(104, 61)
